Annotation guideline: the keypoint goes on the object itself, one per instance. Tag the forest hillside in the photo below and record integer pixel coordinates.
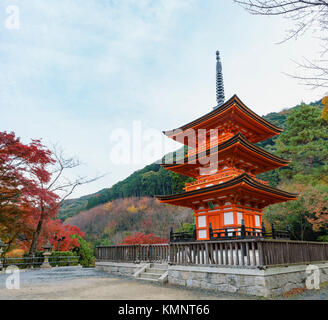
(110, 223)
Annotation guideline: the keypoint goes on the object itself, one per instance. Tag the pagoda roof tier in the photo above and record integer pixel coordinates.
(242, 189)
(233, 115)
(237, 151)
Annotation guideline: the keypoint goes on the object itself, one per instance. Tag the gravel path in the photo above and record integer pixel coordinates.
(69, 283)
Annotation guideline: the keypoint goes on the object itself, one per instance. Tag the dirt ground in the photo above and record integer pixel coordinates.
(73, 283)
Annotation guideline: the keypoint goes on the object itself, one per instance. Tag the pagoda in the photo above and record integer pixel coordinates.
(224, 161)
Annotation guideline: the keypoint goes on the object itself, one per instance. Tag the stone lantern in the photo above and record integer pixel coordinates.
(2, 245)
(46, 253)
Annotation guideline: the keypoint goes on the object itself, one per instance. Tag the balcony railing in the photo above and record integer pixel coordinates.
(231, 233)
(204, 146)
(224, 176)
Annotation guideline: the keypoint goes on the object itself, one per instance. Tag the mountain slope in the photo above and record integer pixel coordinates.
(122, 217)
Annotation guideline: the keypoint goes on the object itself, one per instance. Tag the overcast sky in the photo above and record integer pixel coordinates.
(77, 70)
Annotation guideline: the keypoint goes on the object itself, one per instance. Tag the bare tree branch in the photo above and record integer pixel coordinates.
(62, 184)
(306, 14)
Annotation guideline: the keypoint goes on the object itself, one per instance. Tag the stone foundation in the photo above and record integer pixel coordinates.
(267, 283)
(119, 269)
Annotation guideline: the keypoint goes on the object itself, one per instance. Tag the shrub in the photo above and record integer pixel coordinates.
(87, 258)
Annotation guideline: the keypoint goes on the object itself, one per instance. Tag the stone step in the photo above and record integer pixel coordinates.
(155, 270)
(163, 266)
(149, 275)
(148, 279)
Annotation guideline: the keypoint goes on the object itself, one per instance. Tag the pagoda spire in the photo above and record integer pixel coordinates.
(219, 82)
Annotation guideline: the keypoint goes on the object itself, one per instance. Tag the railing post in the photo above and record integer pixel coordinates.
(210, 231)
(260, 252)
(138, 253)
(194, 232)
(243, 229)
(170, 258)
(171, 234)
(288, 231)
(273, 231)
(263, 230)
(243, 236)
(207, 258)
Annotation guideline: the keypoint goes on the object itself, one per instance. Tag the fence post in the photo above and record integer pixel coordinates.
(170, 258)
(138, 253)
(260, 250)
(243, 236)
(288, 231)
(207, 258)
(273, 231)
(210, 231)
(243, 229)
(194, 232)
(263, 230)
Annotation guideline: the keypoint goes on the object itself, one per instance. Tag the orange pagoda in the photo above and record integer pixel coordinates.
(224, 160)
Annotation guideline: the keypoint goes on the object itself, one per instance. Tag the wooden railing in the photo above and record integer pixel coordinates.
(209, 144)
(232, 233)
(247, 253)
(224, 253)
(283, 252)
(133, 253)
(36, 262)
(225, 175)
(235, 233)
(222, 175)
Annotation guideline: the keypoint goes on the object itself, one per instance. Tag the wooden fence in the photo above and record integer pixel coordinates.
(227, 253)
(249, 253)
(133, 253)
(36, 262)
(282, 252)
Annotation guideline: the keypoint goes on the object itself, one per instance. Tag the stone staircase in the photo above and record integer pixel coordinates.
(153, 272)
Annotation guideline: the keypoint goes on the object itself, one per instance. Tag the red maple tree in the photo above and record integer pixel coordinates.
(141, 238)
(58, 234)
(22, 174)
(29, 199)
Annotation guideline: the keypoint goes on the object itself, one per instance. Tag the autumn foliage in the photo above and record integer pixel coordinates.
(25, 170)
(55, 229)
(112, 222)
(325, 108)
(141, 238)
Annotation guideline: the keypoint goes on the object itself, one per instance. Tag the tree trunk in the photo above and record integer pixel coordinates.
(36, 235)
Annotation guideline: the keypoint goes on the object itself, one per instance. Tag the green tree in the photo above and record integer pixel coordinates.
(87, 258)
(186, 227)
(178, 182)
(305, 143)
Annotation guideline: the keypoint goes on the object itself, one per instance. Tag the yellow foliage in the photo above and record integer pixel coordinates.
(325, 113)
(324, 101)
(107, 206)
(15, 253)
(132, 209)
